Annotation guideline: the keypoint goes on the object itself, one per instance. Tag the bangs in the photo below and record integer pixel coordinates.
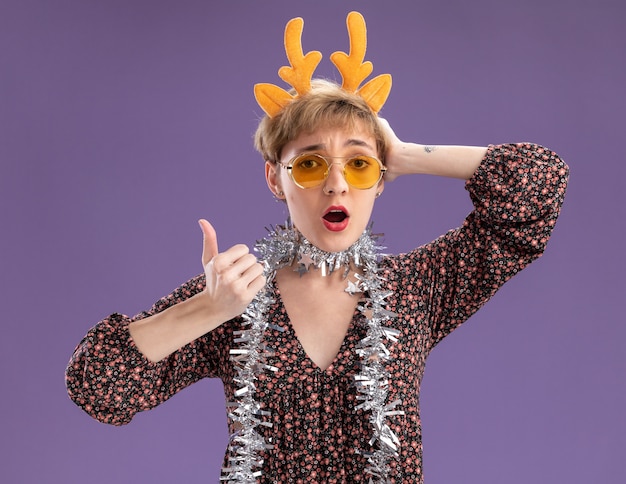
(338, 115)
(327, 105)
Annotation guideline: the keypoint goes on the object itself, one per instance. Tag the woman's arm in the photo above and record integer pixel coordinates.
(517, 191)
(111, 379)
(124, 366)
(416, 159)
(233, 279)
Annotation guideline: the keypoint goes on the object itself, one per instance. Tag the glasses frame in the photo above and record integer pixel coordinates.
(289, 168)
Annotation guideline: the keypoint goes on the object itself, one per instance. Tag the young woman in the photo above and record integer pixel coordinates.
(321, 342)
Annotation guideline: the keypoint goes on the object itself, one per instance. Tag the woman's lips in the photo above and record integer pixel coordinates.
(336, 218)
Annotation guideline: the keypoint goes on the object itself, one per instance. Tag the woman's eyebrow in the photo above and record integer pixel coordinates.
(357, 142)
(349, 142)
(316, 147)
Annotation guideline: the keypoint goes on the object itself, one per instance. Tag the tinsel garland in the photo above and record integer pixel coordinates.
(285, 246)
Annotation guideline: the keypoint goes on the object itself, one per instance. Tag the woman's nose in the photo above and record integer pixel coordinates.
(336, 182)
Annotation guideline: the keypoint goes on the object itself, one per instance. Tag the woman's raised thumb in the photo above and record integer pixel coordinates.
(209, 241)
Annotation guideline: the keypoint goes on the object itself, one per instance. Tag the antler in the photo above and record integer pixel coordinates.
(303, 66)
(351, 67)
(354, 71)
(271, 97)
(299, 73)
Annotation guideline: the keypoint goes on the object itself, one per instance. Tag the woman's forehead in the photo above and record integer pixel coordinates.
(335, 128)
(329, 137)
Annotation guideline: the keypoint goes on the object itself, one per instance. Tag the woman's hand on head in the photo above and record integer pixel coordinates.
(395, 146)
(233, 277)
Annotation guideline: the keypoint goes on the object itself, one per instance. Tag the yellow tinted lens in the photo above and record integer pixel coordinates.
(362, 172)
(309, 170)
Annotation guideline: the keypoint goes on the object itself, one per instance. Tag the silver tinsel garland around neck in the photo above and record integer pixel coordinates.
(285, 246)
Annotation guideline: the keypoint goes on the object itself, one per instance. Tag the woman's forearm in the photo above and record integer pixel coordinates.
(161, 334)
(232, 279)
(416, 159)
(449, 161)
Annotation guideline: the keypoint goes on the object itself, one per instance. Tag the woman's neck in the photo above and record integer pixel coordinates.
(313, 277)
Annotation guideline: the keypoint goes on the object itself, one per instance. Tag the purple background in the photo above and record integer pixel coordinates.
(123, 122)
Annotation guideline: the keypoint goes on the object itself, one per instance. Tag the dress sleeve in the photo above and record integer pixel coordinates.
(111, 380)
(517, 192)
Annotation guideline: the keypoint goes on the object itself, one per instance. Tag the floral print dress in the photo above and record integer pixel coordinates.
(517, 192)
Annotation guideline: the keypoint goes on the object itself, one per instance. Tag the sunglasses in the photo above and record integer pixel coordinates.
(310, 170)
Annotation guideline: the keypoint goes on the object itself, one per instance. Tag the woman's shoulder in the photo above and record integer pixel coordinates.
(423, 253)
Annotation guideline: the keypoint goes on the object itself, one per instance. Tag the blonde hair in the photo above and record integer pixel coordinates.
(325, 105)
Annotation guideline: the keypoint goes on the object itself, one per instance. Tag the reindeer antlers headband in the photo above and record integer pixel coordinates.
(351, 67)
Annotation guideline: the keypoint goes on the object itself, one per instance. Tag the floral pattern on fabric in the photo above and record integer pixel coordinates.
(517, 193)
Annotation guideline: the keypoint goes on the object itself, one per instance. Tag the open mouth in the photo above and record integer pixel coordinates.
(335, 216)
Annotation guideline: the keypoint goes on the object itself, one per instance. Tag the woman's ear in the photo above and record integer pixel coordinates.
(380, 188)
(272, 177)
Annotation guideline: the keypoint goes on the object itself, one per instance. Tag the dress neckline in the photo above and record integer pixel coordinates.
(343, 358)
